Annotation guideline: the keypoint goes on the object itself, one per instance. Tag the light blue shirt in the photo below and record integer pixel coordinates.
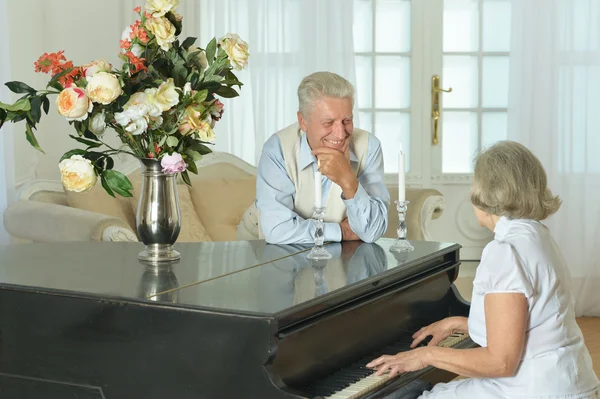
(275, 193)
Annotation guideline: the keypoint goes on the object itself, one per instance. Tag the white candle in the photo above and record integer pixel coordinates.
(318, 192)
(401, 178)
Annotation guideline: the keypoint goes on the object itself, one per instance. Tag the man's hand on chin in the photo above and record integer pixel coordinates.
(347, 233)
(336, 166)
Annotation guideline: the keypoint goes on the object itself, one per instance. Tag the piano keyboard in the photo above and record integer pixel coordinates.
(357, 380)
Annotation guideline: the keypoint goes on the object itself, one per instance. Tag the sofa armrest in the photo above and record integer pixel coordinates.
(425, 205)
(44, 222)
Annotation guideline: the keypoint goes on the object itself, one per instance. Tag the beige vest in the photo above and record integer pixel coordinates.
(290, 138)
(304, 180)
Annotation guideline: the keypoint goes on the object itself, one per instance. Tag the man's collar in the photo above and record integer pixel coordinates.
(306, 157)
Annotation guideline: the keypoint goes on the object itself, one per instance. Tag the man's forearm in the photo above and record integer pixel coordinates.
(298, 231)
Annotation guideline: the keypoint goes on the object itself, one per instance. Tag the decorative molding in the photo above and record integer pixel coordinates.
(453, 179)
(468, 226)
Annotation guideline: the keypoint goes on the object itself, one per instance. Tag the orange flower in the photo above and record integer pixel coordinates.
(137, 63)
(137, 9)
(49, 62)
(125, 44)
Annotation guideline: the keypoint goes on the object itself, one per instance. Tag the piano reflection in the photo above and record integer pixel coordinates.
(230, 320)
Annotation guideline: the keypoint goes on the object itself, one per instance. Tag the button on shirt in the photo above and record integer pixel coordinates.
(275, 193)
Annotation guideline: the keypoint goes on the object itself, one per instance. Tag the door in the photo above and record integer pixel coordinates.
(402, 47)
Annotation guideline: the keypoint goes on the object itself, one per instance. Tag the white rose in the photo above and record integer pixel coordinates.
(187, 88)
(94, 67)
(201, 56)
(77, 174)
(236, 50)
(137, 126)
(163, 30)
(103, 88)
(159, 8)
(136, 49)
(138, 106)
(165, 97)
(98, 124)
(74, 104)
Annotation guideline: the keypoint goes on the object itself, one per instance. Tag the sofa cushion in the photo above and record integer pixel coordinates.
(221, 193)
(97, 200)
(192, 228)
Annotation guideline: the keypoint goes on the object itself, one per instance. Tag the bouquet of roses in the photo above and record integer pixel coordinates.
(163, 103)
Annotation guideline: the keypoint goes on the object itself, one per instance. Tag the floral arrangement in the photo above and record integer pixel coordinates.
(163, 103)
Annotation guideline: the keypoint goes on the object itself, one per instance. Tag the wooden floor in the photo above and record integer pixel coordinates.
(590, 326)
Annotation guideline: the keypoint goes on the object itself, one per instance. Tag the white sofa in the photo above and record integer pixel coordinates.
(211, 208)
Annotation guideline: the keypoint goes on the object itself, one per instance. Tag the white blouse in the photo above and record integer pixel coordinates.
(523, 258)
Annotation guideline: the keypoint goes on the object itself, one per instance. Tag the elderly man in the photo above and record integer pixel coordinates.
(350, 160)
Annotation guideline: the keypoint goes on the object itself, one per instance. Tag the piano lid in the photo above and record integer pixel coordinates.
(293, 288)
(249, 277)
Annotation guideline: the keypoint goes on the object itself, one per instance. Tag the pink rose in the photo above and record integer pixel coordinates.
(173, 163)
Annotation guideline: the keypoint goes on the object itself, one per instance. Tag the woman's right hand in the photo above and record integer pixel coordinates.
(440, 330)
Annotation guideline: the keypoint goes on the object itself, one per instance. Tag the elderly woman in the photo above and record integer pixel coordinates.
(522, 313)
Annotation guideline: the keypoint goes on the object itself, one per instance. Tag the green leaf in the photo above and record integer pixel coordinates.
(211, 49)
(36, 109)
(55, 85)
(69, 154)
(3, 116)
(110, 163)
(199, 147)
(31, 138)
(20, 87)
(200, 96)
(193, 155)
(186, 178)
(22, 104)
(188, 42)
(192, 167)
(172, 141)
(118, 183)
(106, 186)
(227, 92)
(46, 104)
(162, 140)
(89, 143)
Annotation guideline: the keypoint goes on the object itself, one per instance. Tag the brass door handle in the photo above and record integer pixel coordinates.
(435, 106)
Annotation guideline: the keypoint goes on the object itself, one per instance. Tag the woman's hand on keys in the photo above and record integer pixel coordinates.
(440, 330)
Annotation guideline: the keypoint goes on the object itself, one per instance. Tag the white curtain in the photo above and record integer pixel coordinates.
(7, 181)
(288, 39)
(554, 110)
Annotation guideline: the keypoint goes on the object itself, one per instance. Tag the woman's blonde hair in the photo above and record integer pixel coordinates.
(510, 181)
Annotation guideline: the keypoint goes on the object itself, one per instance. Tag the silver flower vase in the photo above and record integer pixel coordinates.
(158, 216)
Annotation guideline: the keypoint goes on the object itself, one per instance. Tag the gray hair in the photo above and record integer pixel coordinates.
(319, 85)
(510, 181)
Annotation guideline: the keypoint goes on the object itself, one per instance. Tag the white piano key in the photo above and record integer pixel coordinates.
(371, 383)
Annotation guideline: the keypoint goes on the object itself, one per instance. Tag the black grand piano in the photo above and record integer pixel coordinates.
(230, 320)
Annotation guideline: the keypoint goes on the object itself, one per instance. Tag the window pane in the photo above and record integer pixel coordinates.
(459, 141)
(393, 128)
(363, 25)
(460, 73)
(495, 82)
(392, 82)
(392, 26)
(461, 25)
(493, 128)
(365, 121)
(496, 25)
(364, 81)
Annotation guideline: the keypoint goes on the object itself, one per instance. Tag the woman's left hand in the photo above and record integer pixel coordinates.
(402, 362)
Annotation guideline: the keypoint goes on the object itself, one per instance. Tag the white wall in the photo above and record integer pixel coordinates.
(86, 30)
